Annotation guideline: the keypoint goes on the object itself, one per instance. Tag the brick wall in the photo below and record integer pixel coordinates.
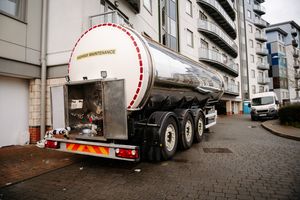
(35, 106)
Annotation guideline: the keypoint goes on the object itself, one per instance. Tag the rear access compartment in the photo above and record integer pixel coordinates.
(95, 115)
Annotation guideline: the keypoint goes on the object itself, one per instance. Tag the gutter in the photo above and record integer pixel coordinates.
(43, 68)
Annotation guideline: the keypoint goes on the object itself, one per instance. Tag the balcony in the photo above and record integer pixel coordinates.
(296, 54)
(216, 34)
(263, 65)
(228, 7)
(297, 76)
(217, 60)
(262, 37)
(260, 23)
(263, 80)
(260, 10)
(217, 12)
(231, 89)
(262, 51)
(260, 1)
(109, 17)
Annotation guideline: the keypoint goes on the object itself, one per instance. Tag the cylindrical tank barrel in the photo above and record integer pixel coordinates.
(152, 73)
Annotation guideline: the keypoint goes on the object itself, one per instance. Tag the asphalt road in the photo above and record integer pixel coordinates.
(237, 160)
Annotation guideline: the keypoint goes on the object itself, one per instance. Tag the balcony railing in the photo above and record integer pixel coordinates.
(109, 17)
(218, 60)
(215, 33)
(232, 88)
(214, 8)
(259, 9)
(296, 54)
(262, 37)
(229, 7)
(262, 51)
(263, 65)
(263, 80)
(297, 75)
(260, 23)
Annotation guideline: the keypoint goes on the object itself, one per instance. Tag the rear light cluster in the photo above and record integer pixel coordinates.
(51, 144)
(127, 153)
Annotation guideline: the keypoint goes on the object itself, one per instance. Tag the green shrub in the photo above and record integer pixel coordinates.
(290, 115)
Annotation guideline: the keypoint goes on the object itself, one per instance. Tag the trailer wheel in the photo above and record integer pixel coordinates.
(187, 132)
(168, 138)
(199, 128)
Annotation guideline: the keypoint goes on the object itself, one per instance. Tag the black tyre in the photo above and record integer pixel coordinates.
(199, 128)
(169, 138)
(187, 131)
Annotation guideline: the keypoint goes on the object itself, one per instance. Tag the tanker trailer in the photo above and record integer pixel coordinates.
(128, 97)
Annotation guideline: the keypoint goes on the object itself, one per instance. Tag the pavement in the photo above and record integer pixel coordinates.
(276, 128)
(19, 163)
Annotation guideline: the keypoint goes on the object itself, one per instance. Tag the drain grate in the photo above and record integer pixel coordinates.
(216, 150)
(252, 126)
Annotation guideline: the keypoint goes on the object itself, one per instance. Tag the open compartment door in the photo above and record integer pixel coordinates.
(58, 104)
(115, 112)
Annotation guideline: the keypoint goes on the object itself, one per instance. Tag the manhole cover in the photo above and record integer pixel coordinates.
(216, 150)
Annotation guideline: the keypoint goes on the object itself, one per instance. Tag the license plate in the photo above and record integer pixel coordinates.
(263, 115)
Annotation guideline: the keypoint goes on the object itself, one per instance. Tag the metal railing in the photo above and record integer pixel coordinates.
(259, 8)
(231, 87)
(264, 65)
(216, 56)
(263, 80)
(262, 50)
(261, 36)
(217, 5)
(212, 27)
(109, 17)
(260, 22)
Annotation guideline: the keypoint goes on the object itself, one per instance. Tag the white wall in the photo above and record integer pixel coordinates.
(21, 41)
(64, 28)
(14, 97)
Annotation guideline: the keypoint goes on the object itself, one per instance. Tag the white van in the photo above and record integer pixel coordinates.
(264, 106)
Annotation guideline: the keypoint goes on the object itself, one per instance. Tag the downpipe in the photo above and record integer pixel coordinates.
(43, 68)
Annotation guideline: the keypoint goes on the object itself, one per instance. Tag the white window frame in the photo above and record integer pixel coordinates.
(192, 38)
(148, 7)
(190, 11)
(20, 10)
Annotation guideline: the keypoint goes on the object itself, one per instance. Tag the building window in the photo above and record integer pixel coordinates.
(148, 5)
(252, 58)
(249, 13)
(251, 43)
(253, 89)
(249, 1)
(13, 8)
(189, 38)
(252, 73)
(261, 89)
(250, 28)
(189, 7)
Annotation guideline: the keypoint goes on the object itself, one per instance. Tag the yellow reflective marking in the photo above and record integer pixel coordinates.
(70, 146)
(80, 148)
(103, 151)
(91, 149)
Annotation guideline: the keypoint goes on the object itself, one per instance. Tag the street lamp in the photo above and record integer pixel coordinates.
(296, 64)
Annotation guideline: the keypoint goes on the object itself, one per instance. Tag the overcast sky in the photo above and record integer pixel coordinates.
(282, 10)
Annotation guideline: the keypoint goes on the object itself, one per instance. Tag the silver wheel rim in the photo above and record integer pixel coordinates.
(188, 130)
(170, 137)
(200, 127)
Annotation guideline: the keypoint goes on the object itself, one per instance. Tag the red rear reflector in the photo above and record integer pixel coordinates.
(127, 153)
(51, 144)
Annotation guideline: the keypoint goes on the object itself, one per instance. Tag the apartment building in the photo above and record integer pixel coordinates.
(257, 52)
(20, 50)
(284, 59)
(203, 30)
